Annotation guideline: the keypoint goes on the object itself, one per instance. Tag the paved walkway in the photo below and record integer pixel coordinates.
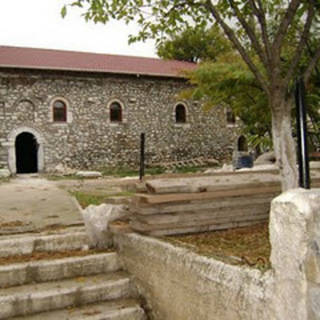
(29, 204)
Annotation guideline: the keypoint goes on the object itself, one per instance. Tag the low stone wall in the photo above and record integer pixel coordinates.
(179, 284)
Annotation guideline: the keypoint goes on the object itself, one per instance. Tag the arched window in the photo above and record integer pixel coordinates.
(115, 112)
(59, 111)
(231, 118)
(181, 114)
(242, 144)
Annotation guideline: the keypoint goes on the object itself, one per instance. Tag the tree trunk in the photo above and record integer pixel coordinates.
(283, 142)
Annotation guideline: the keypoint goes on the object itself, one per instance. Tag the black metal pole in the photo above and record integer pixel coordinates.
(142, 155)
(303, 156)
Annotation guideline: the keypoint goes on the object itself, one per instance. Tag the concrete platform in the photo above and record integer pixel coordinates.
(31, 204)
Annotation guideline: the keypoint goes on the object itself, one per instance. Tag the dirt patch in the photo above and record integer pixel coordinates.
(15, 223)
(240, 246)
(36, 256)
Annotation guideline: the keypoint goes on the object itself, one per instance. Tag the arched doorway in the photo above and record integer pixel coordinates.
(38, 141)
(26, 148)
(242, 144)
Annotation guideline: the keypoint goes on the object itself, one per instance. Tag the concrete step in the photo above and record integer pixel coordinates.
(48, 296)
(24, 245)
(62, 230)
(125, 309)
(57, 269)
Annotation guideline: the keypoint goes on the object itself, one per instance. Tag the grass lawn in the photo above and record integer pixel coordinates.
(122, 172)
(129, 172)
(85, 199)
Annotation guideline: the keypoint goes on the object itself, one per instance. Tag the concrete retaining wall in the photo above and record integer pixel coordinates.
(179, 284)
(295, 256)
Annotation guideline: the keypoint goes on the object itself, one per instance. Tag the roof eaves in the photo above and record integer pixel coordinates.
(163, 75)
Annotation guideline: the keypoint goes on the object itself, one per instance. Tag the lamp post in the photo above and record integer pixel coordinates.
(142, 155)
(303, 157)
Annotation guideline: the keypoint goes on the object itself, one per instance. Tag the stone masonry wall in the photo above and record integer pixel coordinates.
(88, 139)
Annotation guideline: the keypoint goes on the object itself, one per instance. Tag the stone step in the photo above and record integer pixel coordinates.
(118, 200)
(125, 309)
(206, 216)
(214, 224)
(57, 269)
(175, 230)
(24, 245)
(215, 184)
(222, 205)
(151, 199)
(48, 296)
(207, 184)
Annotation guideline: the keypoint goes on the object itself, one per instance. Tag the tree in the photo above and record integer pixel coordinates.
(313, 100)
(195, 44)
(262, 27)
(222, 78)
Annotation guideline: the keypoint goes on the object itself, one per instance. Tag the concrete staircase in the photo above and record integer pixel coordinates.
(56, 277)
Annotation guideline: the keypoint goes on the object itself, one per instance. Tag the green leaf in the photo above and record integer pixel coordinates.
(63, 11)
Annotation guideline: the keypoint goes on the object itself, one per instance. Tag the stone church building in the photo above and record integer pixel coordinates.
(84, 110)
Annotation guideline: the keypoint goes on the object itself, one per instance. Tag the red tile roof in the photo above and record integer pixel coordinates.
(30, 58)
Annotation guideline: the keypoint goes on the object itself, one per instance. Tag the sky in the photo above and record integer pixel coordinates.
(38, 24)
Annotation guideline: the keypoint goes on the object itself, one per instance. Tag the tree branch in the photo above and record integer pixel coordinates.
(312, 65)
(179, 5)
(251, 98)
(302, 44)
(261, 16)
(232, 37)
(251, 34)
(311, 53)
(283, 28)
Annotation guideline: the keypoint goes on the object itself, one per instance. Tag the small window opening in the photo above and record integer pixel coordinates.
(242, 144)
(59, 111)
(115, 112)
(231, 118)
(181, 116)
